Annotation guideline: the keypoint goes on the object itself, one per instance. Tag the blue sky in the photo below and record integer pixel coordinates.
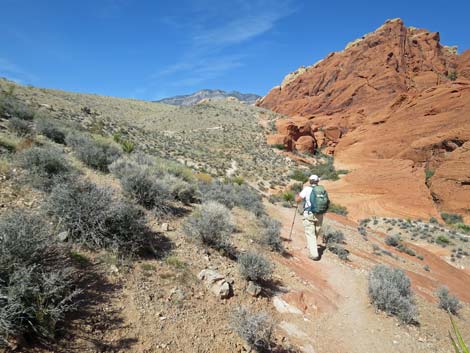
(155, 49)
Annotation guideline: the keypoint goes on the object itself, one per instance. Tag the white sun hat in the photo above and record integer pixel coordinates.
(314, 177)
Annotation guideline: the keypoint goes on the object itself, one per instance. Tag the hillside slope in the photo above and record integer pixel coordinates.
(221, 138)
(398, 103)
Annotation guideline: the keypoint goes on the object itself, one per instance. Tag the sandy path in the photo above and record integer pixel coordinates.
(337, 316)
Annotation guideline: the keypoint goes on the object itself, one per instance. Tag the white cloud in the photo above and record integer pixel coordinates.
(215, 27)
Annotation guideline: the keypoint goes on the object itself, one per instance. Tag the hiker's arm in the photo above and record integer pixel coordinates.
(300, 196)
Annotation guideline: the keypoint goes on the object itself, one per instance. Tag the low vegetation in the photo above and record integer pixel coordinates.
(390, 291)
(95, 152)
(270, 236)
(36, 283)
(338, 209)
(256, 329)
(333, 240)
(211, 225)
(45, 166)
(447, 301)
(254, 267)
(233, 195)
(94, 217)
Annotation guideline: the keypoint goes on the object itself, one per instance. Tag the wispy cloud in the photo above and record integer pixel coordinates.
(215, 30)
(14, 72)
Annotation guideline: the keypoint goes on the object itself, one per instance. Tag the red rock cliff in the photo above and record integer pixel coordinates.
(396, 103)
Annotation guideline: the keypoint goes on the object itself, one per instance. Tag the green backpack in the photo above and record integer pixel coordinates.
(319, 200)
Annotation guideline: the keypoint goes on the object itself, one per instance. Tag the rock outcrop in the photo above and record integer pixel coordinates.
(391, 105)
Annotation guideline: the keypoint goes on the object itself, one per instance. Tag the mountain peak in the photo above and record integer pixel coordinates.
(204, 94)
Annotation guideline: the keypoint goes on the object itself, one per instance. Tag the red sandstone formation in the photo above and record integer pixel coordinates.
(393, 104)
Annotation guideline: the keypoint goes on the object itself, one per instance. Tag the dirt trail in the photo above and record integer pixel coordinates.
(336, 313)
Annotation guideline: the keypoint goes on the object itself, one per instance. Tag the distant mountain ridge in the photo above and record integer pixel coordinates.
(196, 97)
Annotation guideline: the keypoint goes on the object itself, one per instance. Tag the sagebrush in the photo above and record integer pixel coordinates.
(256, 329)
(390, 291)
(254, 267)
(211, 224)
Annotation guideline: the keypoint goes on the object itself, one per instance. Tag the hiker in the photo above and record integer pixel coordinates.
(316, 203)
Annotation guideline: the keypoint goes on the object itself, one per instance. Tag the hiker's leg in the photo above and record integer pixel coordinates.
(310, 235)
(319, 224)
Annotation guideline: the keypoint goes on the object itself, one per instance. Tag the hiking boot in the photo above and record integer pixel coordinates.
(314, 258)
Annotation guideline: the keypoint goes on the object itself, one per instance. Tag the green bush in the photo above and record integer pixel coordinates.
(231, 195)
(52, 130)
(451, 218)
(393, 240)
(463, 227)
(256, 329)
(11, 107)
(338, 209)
(299, 175)
(254, 267)
(46, 166)
(127, 146)
(20, 127)
(442, 240)
(94, 217)
(390, 291)
(452, 75)
(447, 301)
(36, 284)
(96, 153)
(270, 235)
(211, 225)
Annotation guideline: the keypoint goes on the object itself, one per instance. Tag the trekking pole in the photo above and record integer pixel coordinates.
(293, 221)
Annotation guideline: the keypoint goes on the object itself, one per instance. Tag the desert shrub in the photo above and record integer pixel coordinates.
(20, 127)
(256, 329)
(254, 267)
(279, 146)
(339, 251)
(333, 240)
(463, 227)
(36, 285)
(288, 196)
(11, 107)
(231, 195)
(128, 146)
(447, 301)
(433, 220)
(8, 143)
(52, 130)
(393, 240)
(327, 171)
(46, 166)
(153, 185)
(211, 225)
(96, 153)
(296, 187)
(452, 75)
(442, 240)
(299, 175)
(183, 191)
(338, 209)
(331, 236)
(390, 291)
(451, 218)
(95, 218)
(270, 235)
(147, 189)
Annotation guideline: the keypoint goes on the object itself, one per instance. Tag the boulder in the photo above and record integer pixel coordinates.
(216, 283)
(306, 144)
(253, 289)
